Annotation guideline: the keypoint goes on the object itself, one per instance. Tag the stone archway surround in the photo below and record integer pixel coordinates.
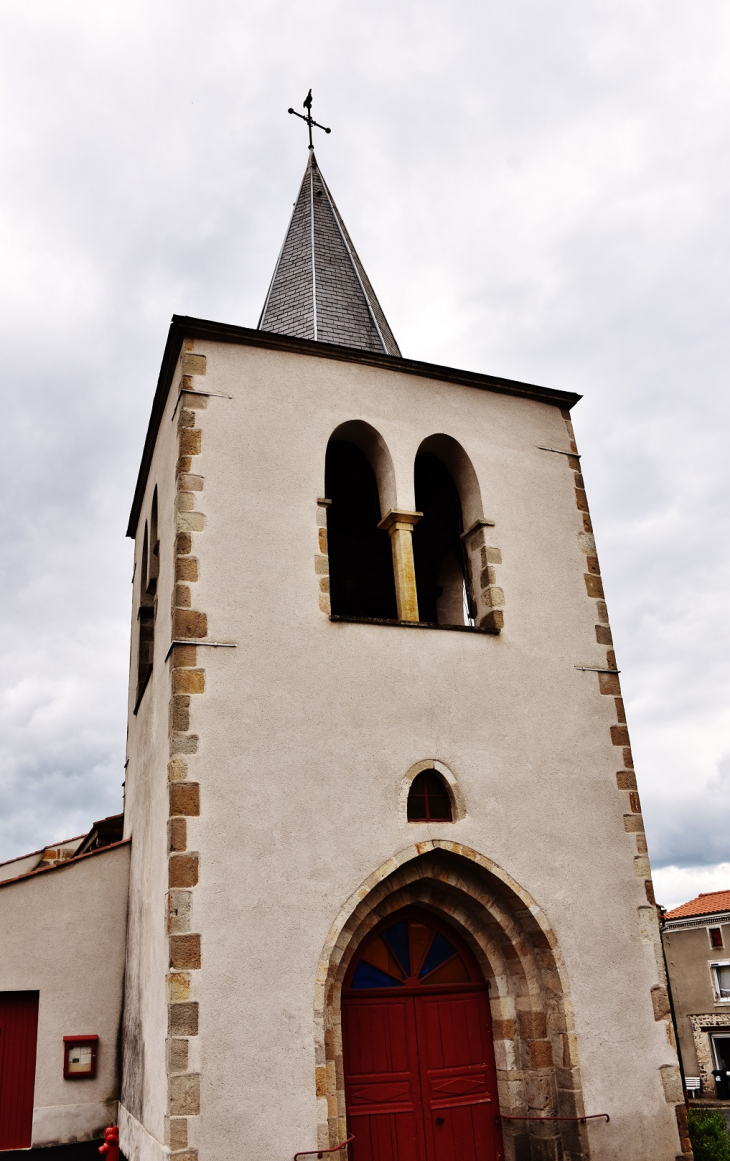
(532, 1017)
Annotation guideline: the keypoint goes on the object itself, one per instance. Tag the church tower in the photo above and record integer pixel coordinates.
(389, 878)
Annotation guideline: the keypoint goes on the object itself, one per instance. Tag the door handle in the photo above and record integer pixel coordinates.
(440, 1120)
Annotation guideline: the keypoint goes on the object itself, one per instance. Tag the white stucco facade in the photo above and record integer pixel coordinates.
(300, 743)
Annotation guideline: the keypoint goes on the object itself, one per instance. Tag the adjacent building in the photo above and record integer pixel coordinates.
(697, 948)
(63, 922)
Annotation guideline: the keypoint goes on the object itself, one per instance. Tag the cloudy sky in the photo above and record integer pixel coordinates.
(538, 189)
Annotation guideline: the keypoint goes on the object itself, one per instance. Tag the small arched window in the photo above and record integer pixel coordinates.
(429, 799)
(361, 563)
(444, 596)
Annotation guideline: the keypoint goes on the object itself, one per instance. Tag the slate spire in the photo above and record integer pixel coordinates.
(320, 290)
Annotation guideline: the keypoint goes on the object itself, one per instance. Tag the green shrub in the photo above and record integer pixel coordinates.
(708, 1134)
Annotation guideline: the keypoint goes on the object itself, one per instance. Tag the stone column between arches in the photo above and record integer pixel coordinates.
(532, 1017)
(399, 526)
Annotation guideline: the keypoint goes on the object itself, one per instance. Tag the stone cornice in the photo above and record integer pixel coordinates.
(712, 919)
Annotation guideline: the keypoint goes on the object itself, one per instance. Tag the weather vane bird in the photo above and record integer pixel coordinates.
(307, 104)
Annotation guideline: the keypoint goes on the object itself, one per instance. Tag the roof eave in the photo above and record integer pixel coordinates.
(183, 327)
(707, 918)
(74, 862)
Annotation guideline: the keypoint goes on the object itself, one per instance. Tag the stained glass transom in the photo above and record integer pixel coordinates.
(409, 952)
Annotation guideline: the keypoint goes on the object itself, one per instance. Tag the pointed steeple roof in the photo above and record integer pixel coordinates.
(320, 290)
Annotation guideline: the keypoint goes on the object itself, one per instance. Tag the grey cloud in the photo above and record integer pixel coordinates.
(690, 824)
(537, 191)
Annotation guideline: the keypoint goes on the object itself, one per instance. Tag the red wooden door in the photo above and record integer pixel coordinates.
(420, 1077)
(457, 1077)
(383, 1082)
(18, 1033)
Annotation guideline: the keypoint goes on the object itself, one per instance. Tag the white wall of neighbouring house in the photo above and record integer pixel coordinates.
(20, 866)
(63, 935)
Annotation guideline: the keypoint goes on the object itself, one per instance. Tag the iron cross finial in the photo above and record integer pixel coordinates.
(307, 104)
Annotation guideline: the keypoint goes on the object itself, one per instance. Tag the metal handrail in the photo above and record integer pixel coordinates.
(582, 1120)
(321, 1152)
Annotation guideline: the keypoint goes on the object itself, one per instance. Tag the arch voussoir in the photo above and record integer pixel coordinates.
(532, 1017)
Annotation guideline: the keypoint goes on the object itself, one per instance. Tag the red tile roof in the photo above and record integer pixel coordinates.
(706, 904)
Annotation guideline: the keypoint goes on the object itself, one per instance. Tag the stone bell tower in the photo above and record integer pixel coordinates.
(389, 879)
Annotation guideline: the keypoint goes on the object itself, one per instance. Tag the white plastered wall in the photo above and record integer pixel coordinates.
(63, 935)
(308, 728)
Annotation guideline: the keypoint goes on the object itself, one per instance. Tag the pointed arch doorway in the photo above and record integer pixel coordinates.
(420, 1075)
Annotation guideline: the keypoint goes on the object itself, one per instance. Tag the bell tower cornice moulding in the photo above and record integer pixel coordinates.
(183, 326)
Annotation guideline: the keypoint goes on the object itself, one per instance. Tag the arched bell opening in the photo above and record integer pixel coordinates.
(358, 482)
(461, 470)
(444, 592)
(448, 494)
(532, 1033)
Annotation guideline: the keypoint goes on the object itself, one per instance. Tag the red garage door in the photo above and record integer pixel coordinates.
(18, 1033)
(420, 1076)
